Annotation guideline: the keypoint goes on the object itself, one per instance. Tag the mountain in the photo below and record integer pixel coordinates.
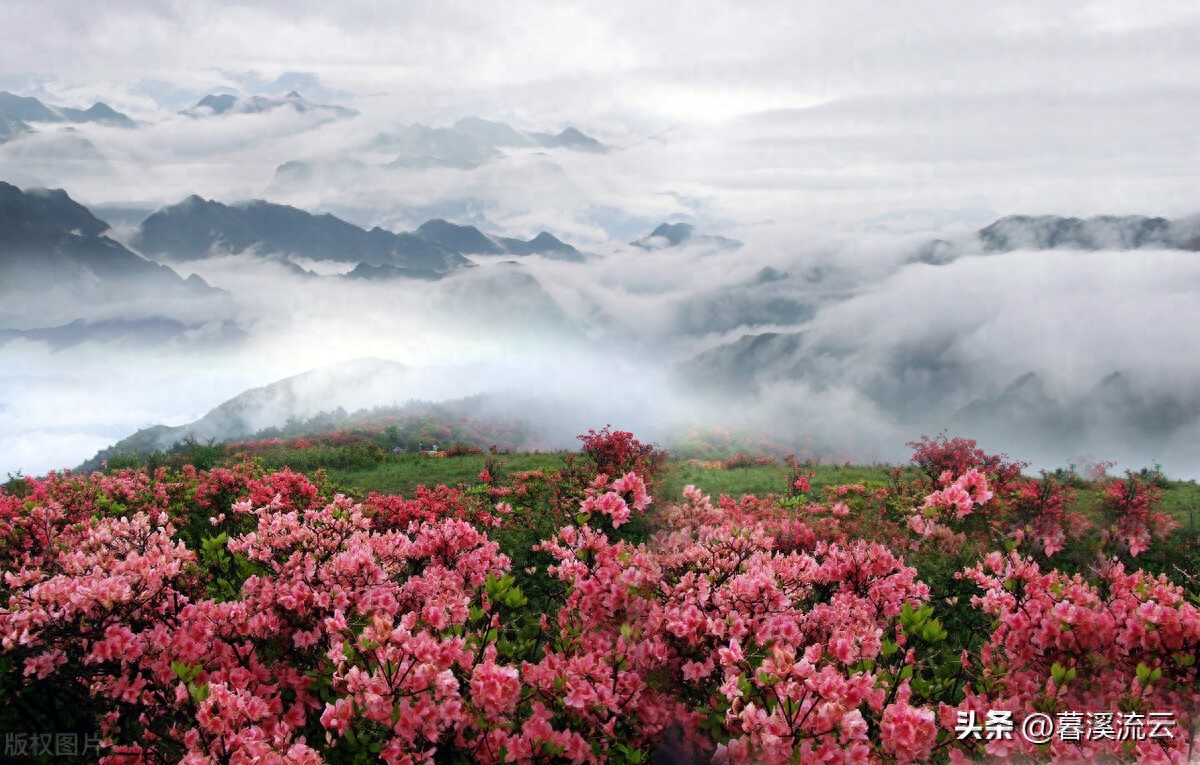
(1057, 232)
(470, 142)
(214, 104)
(100, 113)
(218, 104)
(11, 127)
(1113, 411)
(913, 381)
(1105, 232)
(465, 239)
(30, 109)
(41, 217)
(569, 138)
(419, 146)
(505, 298)
(64, 148)
(676, 234)
(770, 299)
(544, 244)
(385, 272)
(667, 235)
(155, 331)
(50, 243)
(737, 369)
(471, 241)
(499, 134)
(27, 108)
(49, 240)
(348, 385)
(197, 228)
(1023, 406)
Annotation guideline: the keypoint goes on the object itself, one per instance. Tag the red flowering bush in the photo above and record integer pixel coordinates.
(944, 459)
(1129, 507)
(1122, 645)
(616, 452)
(463, 450)
(240, 615)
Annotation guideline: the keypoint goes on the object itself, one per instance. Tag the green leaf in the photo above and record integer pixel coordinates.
(515, 598)
(1059, 673)
(185, 672)
(933, 632)
(1143, 674)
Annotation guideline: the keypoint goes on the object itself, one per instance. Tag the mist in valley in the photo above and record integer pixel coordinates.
(848, 275)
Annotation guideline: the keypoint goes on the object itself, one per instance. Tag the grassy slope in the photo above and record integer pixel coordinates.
(401, 474)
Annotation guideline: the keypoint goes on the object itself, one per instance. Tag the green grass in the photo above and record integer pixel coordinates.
(403, 473)
(1182, 500)
(762, 479)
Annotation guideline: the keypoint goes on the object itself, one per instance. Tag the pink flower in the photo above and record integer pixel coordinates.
(495, 689)
(907, 732)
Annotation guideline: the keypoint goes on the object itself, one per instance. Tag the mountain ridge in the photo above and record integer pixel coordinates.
(48, 238)
(29, 109)
(197, 228)
(218, 104)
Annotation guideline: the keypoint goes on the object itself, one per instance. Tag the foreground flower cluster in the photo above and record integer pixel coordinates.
(235, 615)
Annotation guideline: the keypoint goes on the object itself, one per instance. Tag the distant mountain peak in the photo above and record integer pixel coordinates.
(30, 109)
(50, 241)
(43, 215)
(499, 134)
(767, 275)
(1100, 232)
(465, 239)
(195, 229)
(668, 235)
(216, 104)
(569, 138)
(674, 233)
(11, 127)
(471, 241)
(27, 108)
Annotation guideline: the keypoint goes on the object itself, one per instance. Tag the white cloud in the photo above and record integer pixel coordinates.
(811, 131)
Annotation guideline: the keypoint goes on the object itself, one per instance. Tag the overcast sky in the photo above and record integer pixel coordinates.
(622, 58)
(813, 131)
(1066, 107)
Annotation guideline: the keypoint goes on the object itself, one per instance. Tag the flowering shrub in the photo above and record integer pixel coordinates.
(944, 459)
(242, 615)
(616, 452)
(1124, 644)
(463, 450)
(1129, 507)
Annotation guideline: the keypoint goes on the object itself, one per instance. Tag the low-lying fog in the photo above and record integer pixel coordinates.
(885, 350)
(838, 325)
